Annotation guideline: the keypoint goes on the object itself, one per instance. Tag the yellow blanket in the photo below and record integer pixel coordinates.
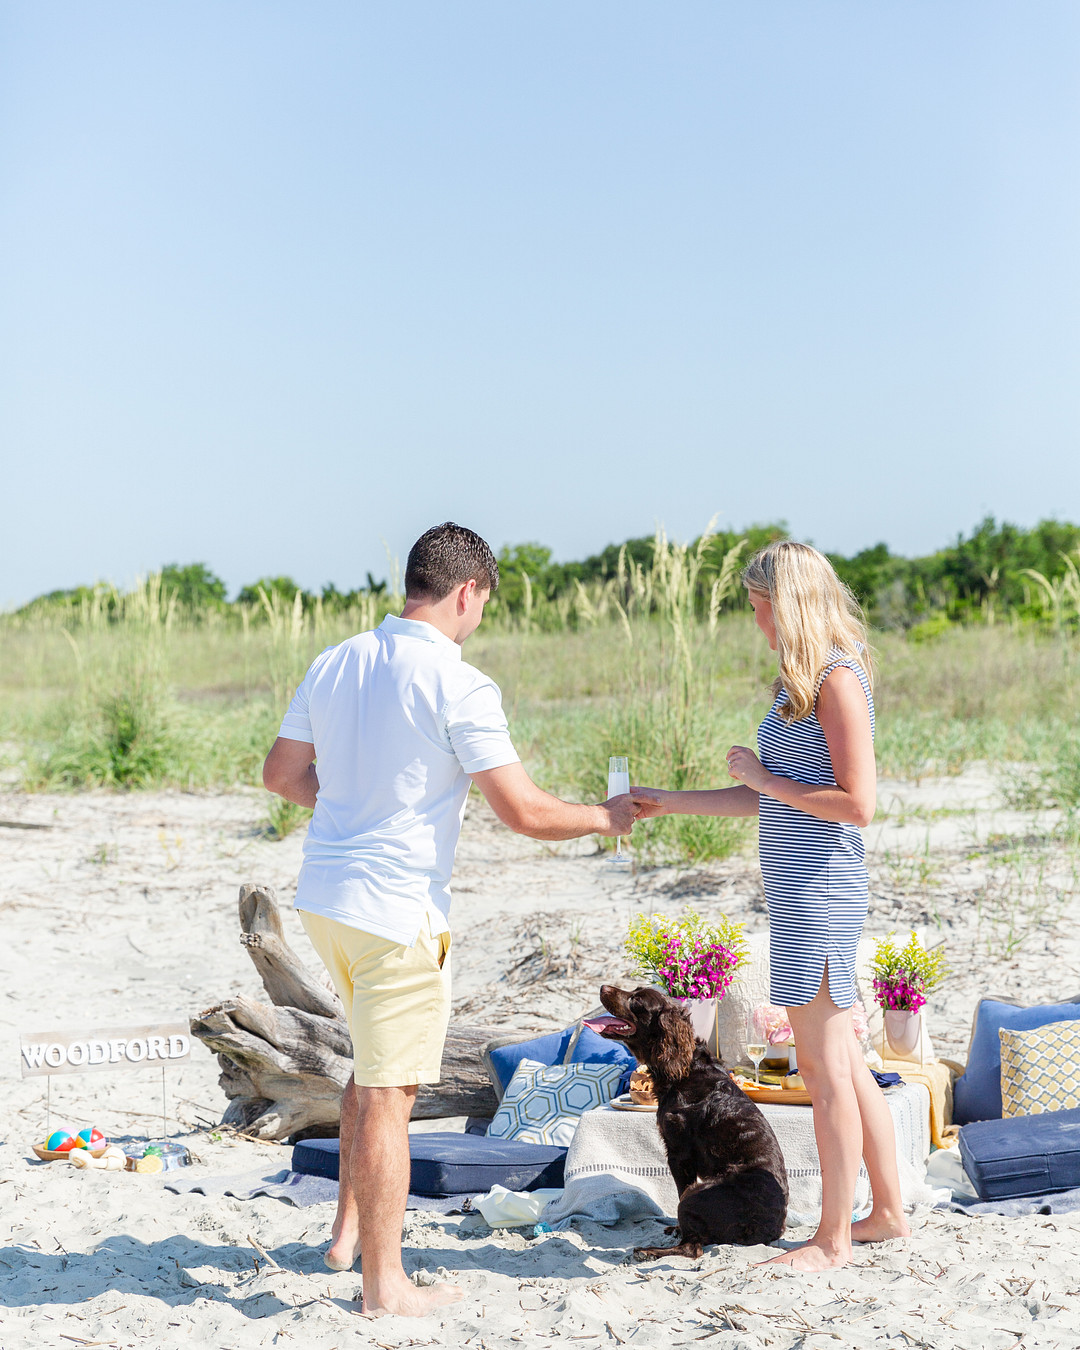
(937, 1078)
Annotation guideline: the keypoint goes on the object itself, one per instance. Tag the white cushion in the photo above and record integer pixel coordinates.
(750, 988)
(747, 991)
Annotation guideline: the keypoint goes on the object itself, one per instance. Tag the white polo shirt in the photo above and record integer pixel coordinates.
(398, 721)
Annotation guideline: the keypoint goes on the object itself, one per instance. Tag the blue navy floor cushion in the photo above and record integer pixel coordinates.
(454, 1164)
(1024, 1155)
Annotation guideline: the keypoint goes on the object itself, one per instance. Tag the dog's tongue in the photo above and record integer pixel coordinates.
(602, 1024)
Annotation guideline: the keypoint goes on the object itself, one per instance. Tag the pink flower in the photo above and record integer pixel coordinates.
(696, 968)
(900, 992)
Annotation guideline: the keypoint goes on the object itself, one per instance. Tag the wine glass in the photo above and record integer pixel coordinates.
(618, 783)
(757, 1042)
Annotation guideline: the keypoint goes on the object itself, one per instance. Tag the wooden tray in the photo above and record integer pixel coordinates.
(766, 1096)
(53, 1155)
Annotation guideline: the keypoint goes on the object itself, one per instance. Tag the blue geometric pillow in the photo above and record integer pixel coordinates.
(544, 1103)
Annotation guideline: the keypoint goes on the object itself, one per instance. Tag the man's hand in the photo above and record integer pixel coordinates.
(528, 809)
(621, 814)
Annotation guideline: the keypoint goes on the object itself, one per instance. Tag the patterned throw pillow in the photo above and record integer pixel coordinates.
(543, 1104)
(1039, 1069)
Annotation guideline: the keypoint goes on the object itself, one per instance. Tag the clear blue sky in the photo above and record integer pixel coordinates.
(280, 281)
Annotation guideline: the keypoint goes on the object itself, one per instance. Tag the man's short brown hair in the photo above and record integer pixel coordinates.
(446, 556)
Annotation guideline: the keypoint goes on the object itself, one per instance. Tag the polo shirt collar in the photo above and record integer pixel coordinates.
(417, 628)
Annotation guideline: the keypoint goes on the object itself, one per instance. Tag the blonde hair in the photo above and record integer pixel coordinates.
(815, 616)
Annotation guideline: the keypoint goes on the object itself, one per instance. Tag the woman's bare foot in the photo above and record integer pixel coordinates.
(404, 1299)
(880, 1227)
(812, 1256)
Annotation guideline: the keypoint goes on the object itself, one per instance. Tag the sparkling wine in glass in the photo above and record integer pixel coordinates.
(756, 1042)
(618, 783)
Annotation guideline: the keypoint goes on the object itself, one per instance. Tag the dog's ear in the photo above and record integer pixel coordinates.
(675, 1051)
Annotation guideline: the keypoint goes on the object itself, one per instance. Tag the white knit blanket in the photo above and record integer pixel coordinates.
(617, 1168)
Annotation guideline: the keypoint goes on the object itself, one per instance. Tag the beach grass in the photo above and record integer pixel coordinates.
(139, 693)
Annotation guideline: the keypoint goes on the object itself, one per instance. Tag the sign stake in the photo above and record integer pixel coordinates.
(164, 1112)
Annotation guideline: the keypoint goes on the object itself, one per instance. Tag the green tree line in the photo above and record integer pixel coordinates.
(998, 570)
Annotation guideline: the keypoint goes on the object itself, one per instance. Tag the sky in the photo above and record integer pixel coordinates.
(283, 284)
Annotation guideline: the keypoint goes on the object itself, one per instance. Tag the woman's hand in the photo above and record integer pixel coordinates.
(650, 802)
(745, 766)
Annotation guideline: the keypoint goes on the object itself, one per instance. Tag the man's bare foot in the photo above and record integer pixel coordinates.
(880, 1227)
(341, 1254)
(404, 1299)
(810, 1257)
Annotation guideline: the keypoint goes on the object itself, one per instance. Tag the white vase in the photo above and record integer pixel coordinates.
(902, 1029)
(702, 1018)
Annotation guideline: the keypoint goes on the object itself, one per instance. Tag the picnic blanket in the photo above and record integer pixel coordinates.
(1063, 1202)
(296, 1188)
(617, 1168)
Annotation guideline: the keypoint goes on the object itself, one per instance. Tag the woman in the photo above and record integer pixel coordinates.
(812, 789)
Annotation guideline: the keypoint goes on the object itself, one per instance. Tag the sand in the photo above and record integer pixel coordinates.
(124, 911)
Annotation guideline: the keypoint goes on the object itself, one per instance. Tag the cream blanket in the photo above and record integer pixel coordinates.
(617, 1168)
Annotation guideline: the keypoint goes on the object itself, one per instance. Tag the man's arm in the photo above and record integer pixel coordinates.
(289, 770)
(528, 809)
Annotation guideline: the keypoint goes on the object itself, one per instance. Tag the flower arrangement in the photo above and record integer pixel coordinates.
(687, 957)
(774, 1022)
(904, 976)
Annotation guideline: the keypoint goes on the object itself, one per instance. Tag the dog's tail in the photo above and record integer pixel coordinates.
(747, 1210)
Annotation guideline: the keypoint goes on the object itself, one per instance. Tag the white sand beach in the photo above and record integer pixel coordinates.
(123, 910)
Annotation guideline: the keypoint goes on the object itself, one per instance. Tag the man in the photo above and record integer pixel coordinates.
(399, 724)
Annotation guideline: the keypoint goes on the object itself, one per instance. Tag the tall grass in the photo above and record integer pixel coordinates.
(131, 691)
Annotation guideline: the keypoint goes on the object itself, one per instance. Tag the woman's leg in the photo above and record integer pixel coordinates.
(823, 1040)
(886, 1219)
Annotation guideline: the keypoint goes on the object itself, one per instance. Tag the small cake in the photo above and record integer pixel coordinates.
(642, 1091)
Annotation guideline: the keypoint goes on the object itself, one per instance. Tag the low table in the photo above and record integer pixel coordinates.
(617, 1167)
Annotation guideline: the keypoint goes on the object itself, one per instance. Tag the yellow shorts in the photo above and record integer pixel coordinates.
(397, 999)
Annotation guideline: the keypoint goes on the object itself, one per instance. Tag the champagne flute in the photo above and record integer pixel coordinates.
(618, 783)
(756, 1042)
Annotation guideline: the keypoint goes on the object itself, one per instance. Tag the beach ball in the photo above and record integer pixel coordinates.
(92, 1139)
(60, 1141)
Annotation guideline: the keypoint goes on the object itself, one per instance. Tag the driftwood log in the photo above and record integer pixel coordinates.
(284, 1064)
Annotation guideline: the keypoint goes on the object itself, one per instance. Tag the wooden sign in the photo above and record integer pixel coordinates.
(149, 1047)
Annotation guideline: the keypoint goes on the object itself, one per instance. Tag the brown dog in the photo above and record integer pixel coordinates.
(725, 1159)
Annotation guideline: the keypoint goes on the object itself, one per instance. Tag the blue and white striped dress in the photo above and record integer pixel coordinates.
(814, 870)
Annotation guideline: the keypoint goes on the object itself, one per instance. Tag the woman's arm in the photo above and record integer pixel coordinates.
(732, 801)
(845, 720)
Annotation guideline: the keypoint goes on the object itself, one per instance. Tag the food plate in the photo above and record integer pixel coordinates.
(626, 1103)
(774, 1096)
